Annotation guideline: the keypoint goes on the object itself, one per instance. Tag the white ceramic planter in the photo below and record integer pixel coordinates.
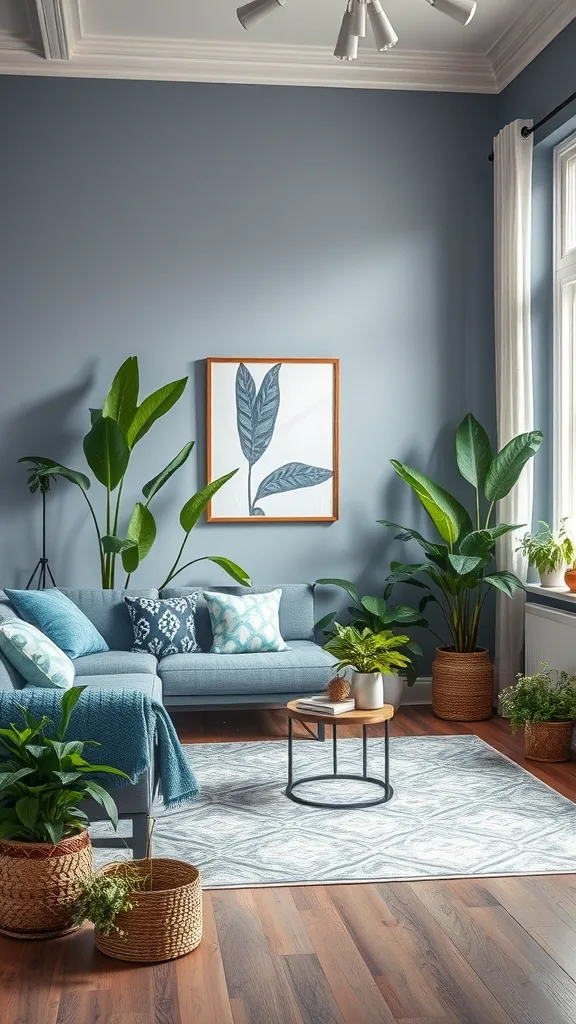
(553, 579)
(394, 690)
(367, 690)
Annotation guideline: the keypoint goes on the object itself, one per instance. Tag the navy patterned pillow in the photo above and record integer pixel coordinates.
(164, 626)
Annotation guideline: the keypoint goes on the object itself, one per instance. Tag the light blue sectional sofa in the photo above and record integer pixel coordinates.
(184, 681)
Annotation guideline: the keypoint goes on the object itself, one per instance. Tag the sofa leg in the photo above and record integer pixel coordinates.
(140, 830)
(321, 731)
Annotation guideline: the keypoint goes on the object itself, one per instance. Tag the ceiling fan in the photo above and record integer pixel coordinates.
(354, 22)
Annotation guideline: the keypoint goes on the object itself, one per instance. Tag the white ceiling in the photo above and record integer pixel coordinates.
(202, 40)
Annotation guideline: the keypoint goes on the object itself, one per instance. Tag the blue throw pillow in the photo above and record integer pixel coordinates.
(164, 626)
(60, 619)
(245, 625)
(39, 661)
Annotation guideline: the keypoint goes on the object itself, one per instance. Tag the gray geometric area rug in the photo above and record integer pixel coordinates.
(460, 808)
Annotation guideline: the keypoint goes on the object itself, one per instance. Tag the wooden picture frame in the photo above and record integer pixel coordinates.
(281, 429)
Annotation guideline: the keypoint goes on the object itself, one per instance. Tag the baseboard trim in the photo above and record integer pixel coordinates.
(420, 693)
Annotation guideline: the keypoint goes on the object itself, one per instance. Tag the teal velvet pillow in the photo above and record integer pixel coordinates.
(39, 661)
(60, 619)
(245, 625)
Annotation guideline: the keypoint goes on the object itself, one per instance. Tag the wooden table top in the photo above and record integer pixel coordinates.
(346, 718)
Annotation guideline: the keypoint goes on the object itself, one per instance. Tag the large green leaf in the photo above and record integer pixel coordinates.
(69, 700)
(324, 622)
(154, 485)
(375, 605)
(153, 407)
(141, 534)
(506, 582)
(112, 545)
(449, 517)
(344, 584)
(235, 571)
(122, 399)
(106, 452)
(508, 464)
(8, 779)
(437, 552)
(102, 797)
(196, 505)
(473, 451)
(47, 467)
(463, 565)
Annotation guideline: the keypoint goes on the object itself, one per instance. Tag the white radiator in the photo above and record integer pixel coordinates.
(551, 637)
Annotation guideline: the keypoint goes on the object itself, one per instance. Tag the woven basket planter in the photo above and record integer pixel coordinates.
(166, 919)
(548, 741)
(462, 686)
(39, 884)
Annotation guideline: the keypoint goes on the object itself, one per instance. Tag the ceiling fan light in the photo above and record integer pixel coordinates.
(384, 35)
(347, 43)
(461, 11)
(359, 18)
(250, 14)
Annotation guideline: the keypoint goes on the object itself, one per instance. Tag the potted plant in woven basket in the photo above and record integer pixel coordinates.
(45, 849)
(144, 910)
(370, 656)
(458, 570)
(545, 704)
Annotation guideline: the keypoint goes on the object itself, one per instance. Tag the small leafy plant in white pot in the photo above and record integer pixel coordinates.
(549, 553)
(370, 656)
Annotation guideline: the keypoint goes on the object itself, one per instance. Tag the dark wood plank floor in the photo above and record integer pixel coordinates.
(480, 951)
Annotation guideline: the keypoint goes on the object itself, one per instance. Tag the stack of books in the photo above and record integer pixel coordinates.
(322, 705)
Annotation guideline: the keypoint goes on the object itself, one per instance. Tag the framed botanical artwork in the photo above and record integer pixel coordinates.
(277, 421)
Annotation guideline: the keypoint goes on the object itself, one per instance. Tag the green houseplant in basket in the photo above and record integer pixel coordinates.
(457, 571)
(545, 704)
(45, 850)
(550, 554)
(370, 656)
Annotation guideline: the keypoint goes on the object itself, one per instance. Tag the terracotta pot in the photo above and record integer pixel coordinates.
(462, 685)
(39, 884)
(570, 579)
(548, 741)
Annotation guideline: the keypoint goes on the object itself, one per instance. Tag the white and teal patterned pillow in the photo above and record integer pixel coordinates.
(245, 625)
(164, 626)
(38, 660)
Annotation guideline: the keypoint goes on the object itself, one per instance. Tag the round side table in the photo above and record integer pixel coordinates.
(363, 718)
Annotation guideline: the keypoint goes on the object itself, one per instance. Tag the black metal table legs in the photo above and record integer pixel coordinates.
(382, 784)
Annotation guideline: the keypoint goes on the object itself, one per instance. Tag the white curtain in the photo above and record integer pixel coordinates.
(514, 390)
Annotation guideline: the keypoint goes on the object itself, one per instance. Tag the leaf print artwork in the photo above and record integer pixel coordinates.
(256, 414)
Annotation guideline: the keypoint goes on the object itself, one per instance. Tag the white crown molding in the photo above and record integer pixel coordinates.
(59, 24)
(70, 53)
(531, 33)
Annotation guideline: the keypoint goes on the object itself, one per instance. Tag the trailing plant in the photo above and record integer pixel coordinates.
(548, 696)
(115, 430)
(365, 651)
(107, 895)
(457, 572)
(256, 414)
(375, 614)
(43, 779)
(546, 551)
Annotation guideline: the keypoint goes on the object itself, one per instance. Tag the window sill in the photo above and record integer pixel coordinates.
(552, 593)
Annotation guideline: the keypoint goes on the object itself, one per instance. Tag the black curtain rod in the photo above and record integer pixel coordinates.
(527, 132)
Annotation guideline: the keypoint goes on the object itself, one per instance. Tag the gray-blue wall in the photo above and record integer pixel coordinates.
(177, 221)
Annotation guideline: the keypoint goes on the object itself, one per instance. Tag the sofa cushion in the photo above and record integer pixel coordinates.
(147, 682)
(245, 624)
(106, 609)
(115, 663)
(34, 656)
(55, 615)
(296, 613)
(305, 667)
(163, 625)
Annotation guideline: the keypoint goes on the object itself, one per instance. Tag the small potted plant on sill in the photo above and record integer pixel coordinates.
(370, 656)
(45, 849)
(457, 571)
(549, 553)
(545, 704)
(376, 614)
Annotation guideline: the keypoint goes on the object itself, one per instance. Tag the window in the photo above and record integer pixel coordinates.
(565, 331)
